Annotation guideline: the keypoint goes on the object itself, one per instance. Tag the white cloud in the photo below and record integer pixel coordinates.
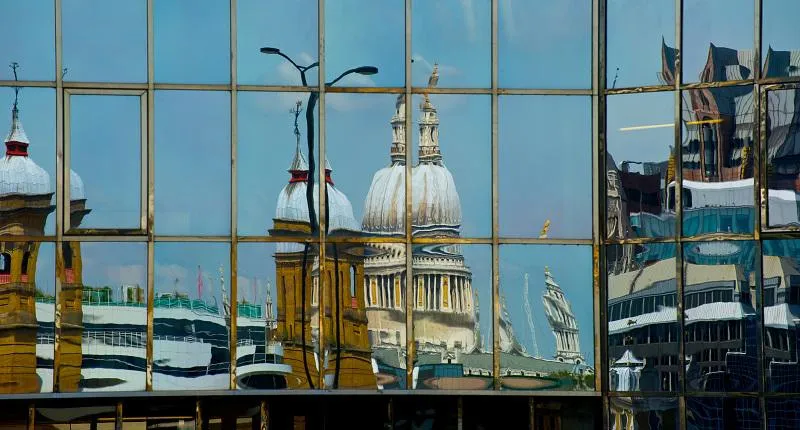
(508, 19)
(469, 18)
(127, 275)
(290, 75)
(444, 69)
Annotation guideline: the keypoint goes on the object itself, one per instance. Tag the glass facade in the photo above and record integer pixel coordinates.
(586, 211)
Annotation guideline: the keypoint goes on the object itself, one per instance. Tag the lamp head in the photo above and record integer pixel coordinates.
(270, 50)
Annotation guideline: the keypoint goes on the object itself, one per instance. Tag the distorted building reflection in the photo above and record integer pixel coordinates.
(26, 313)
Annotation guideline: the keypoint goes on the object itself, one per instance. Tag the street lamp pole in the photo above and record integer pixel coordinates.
(312, 217)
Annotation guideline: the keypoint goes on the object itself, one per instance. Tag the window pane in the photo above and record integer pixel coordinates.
(641, 40)
(545, 44)
(783, 413)
(547, 179)
(644, 413)
(104, 316)
(27, 307)
(192, 41)
(640, 166)
(779, 38)
(28, 28)
(288, 26)
(272, 188)
(743, 413)
(84, 417)
(114, 31)
(717, 40)
(106, 148)
(783, 137)
(27, 171)
(729, 327)
(560, 354)
(718, 160)
(192, 305)
(642, 344)
(452, 293)
(355, 202)
(259, 354)
(365, 33)
(457, 36)
(464, 146)
(297, 292)
(781, 297)
(193, 162)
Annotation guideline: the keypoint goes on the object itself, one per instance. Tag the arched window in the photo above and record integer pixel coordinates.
(5, 263)
(352, 281)
(66, 251)
(25, 258)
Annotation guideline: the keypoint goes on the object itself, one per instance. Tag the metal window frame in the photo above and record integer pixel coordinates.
(67, 151)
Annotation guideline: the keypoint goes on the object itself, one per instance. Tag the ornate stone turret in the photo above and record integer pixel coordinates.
(562, 321)
(398, 150)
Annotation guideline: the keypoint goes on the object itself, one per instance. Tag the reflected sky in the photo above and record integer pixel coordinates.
(192, 143)
(545, 166)
(455, 34)
(104, 130)
(724, 23)
(634, 45)
(31, 27)
(192, 41)
(529, 57)
(290, 26)
(375, 36)
(115, 31)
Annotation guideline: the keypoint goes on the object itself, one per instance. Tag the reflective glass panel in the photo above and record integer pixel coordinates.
(452, 174)
(288, 26)
(780, 40)
(717, 40)
(272, 164)
(717, 193)
(783, 148)
(717, 413)
(452, 293)
(640, 166)
(114, 31)
(15, 416)
(193, 165)
(191, 316)
(297, 293)
(781, 301)
(28, 29)
(545, 44)
(720, 328)
(365, 144)
(783, 413)
(354, 358)
(545, 166)
(27, 309)
(412, 412)
(559, 355)
(640, 42)
(27, 185)
(644, 413)
(365, 33)
(104, 316)
(105, 160)
(456, 37)
(643, 327)
(259, 354)
(192, 41)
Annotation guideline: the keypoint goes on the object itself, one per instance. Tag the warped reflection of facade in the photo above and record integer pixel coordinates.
(721, 319)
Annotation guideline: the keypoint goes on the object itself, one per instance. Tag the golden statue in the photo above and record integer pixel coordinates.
(545, 229)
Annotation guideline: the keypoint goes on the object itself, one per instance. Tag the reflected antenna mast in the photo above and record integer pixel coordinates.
(529, 314)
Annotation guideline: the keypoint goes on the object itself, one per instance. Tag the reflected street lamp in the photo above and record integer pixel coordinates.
(312, 102)
(312, 213)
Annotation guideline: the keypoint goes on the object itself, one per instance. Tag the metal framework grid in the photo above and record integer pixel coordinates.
(598, 94)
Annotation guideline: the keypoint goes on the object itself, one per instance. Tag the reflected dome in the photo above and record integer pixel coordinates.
(19, 174)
